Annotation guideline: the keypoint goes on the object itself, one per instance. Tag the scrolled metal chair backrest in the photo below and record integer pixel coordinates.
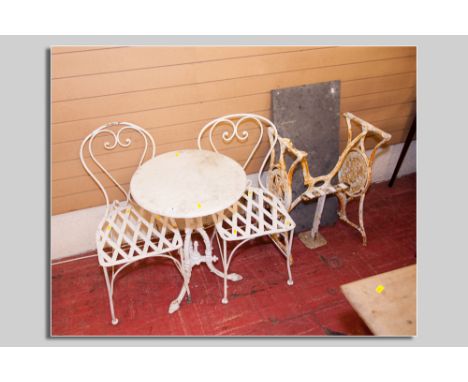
(114, 131)
(354, 166)
(232, 125)
(366, 129)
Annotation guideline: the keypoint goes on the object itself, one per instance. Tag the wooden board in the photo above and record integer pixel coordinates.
(391, 312)
(309, 115)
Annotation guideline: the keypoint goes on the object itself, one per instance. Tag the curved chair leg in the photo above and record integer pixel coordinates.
(361, 220)
(343, 200)
(343, 203)
(210, 259)
(224, 258)
(285, 247)
(110, 292)
(289, 256)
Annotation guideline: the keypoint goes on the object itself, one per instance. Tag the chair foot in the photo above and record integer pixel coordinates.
(224, 300)
(290, 282)
(115, 321)
(174, 306)
(234, 277)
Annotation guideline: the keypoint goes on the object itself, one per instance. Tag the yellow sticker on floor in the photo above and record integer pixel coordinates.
(379, 289)
(177, 154)
(198, 205)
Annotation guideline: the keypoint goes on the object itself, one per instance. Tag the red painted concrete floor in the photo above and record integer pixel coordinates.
(262, 303)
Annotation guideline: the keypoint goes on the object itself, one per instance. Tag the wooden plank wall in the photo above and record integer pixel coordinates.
(173, 91)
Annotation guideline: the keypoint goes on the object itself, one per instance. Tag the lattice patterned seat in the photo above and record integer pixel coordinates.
(126, 233)
(126, 236)
(258, 212)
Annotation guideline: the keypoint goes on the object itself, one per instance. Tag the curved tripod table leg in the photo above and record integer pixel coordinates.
(190, 257)
(187, 268)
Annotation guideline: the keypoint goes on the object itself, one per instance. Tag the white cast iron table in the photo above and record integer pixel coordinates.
(190, 185)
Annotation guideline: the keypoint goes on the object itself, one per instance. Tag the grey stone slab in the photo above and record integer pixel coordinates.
(310, 116)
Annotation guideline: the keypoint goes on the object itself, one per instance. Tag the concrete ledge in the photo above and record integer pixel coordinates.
(73, 233)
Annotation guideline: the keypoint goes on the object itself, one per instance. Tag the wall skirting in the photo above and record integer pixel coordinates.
(74, 232)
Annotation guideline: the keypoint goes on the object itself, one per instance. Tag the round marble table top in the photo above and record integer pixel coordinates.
(188, 183)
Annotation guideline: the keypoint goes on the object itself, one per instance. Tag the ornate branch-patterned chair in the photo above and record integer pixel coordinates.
(126, 233)
(258, 212)
(354, 170)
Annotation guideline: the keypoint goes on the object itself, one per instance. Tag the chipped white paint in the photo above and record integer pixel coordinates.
(231, 127)
(188, 183)
(126, 233)
(354, 170)
(258, 212)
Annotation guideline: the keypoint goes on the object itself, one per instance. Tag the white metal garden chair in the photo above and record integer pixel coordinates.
(258, 212)
(126, 233)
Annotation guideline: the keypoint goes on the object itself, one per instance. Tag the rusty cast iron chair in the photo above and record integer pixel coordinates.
(126, 233)
(258, 212)
(354, 170)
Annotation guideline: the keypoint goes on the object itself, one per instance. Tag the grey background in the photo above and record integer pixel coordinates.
(442, 150)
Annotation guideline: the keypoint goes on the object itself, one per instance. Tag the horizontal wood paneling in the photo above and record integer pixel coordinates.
(133, 58)
(109, 106)
(177, 75)
(174, 91)
(72, 168)
(56, 50)
(173, 115)
(185, 132)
